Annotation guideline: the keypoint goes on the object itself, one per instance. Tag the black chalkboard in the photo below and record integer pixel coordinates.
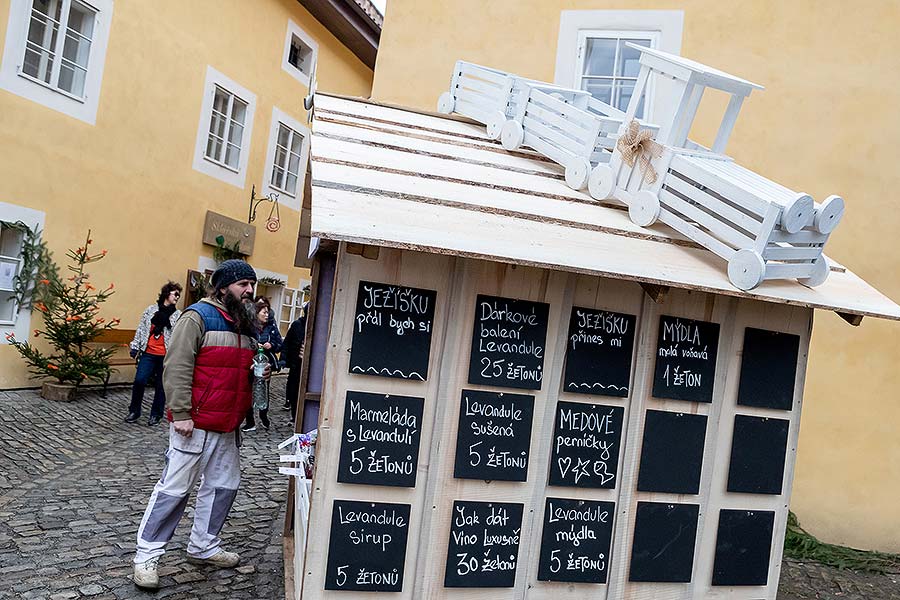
(575, 542)
(743, 546)
(380, 439)
(392, 331)
(508, 342)
(598, 352)
(672, 452)
(758, 448)
(586, 439)
(768, 369)
(483, 550)
(663, 548)
(685, 359)
(494, 436)
(367, 547)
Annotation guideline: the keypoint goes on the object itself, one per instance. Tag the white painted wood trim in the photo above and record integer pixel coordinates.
(284, 198)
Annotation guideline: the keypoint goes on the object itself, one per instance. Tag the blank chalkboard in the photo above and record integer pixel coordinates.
(672, 452)
(685, 359)
(768, 369)
(380, 439)
(586, 442)
(575, 540)
(508, 343)
(758, 450)
(392, 331)
(367, 547)
(663, 546)
(743, 546)
(598, 352)
(494, 436)
(483, 550)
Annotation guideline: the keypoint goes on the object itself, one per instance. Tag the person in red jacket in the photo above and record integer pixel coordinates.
(207, 380)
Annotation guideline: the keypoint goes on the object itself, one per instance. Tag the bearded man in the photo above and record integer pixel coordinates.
(207, 378)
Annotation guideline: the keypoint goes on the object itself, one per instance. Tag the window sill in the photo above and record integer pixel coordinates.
(281, 191)
(47, 86)
(221, 164)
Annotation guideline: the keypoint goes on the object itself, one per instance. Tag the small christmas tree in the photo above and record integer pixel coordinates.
(70, 310)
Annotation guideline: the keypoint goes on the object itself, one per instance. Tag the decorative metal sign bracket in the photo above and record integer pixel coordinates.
(273, 222)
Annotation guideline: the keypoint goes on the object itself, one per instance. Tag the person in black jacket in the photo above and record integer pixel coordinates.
(292, 355)
(269, 339)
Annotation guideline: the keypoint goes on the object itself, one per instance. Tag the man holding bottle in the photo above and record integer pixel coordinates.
(207, 379)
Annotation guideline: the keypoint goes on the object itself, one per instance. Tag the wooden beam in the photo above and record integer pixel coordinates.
(854, 320)
(357, 32)
(657, 293)
(364, 250)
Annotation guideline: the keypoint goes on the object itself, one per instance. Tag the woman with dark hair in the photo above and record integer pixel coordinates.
(149, 344)
(270, 341)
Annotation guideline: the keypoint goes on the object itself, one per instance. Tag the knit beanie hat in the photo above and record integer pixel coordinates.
(230, 271)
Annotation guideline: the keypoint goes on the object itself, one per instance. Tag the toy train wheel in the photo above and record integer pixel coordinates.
(446, 103)
(495, 124)
(819, 273)
(746, 269)
(797, 213)
(577, 171)
(601, 182)
(829, 214)
(644, 209)
(511, 135)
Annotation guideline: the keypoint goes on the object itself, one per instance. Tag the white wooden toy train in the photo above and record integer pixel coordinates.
(762, 229)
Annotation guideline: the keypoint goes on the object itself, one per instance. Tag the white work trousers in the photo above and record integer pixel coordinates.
(214, 459)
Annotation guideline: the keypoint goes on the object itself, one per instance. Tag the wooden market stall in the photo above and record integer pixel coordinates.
(522, 394)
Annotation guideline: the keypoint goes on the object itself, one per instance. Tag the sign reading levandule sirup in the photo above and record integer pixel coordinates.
(686, 353)
(367, 547)
(508, 343)
(598, 352)
(380, 441)
(392, 331)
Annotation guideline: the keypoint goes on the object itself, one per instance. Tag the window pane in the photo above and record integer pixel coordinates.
(299, 55)
(213, 148)
(81, 20)
(10, 242)
(239, 111)
(77, 50)
(296, 143)
(277, 176)
(629, 58)
(601, 89)
(281, 156)
(217, 125)
(291, 185)
(235, 133)
(624, 91)
(294, 164)
(71, 78)
(38, 63)
(43, 30)
(220, 102)
(232, 155)
(283, 135)
(7, 307)
(600, 56)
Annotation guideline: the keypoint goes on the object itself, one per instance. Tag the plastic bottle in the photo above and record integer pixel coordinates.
(260, 385)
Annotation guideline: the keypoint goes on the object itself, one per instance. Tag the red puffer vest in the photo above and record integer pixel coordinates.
(221, 391)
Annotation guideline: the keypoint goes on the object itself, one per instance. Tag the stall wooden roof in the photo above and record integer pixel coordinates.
(393, 177)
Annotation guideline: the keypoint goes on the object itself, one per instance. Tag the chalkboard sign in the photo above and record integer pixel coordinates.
(380, 439)
(672, 452)
(743, 546)
(586, 439)
(758, 450)
(685, 359)
(494, 436)
(484, 544)
(598, 352)
(768, 369)
(392, 331)
(508, 343)
(575, 542)
(367, 548)
(663, 548)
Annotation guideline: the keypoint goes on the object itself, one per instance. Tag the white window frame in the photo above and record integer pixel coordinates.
(14, 80)
(667, 25)
(21, 326)
(294, 30)
(285, 198)
(206, 165)
(610, 34)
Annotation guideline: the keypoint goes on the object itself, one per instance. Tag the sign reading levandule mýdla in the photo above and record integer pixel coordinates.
(508, 343)
(575, 541)
(392, 331)
(484, 544)
(380, 439)
(598, 352)
(686, 353)
(367, 547)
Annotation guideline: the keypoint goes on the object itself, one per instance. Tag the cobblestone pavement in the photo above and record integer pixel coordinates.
(74, 482)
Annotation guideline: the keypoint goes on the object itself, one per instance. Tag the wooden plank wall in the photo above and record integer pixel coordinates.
(457, 282)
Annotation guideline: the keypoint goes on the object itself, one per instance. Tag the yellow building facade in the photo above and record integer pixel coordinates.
(824, 125)
(145, 116)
